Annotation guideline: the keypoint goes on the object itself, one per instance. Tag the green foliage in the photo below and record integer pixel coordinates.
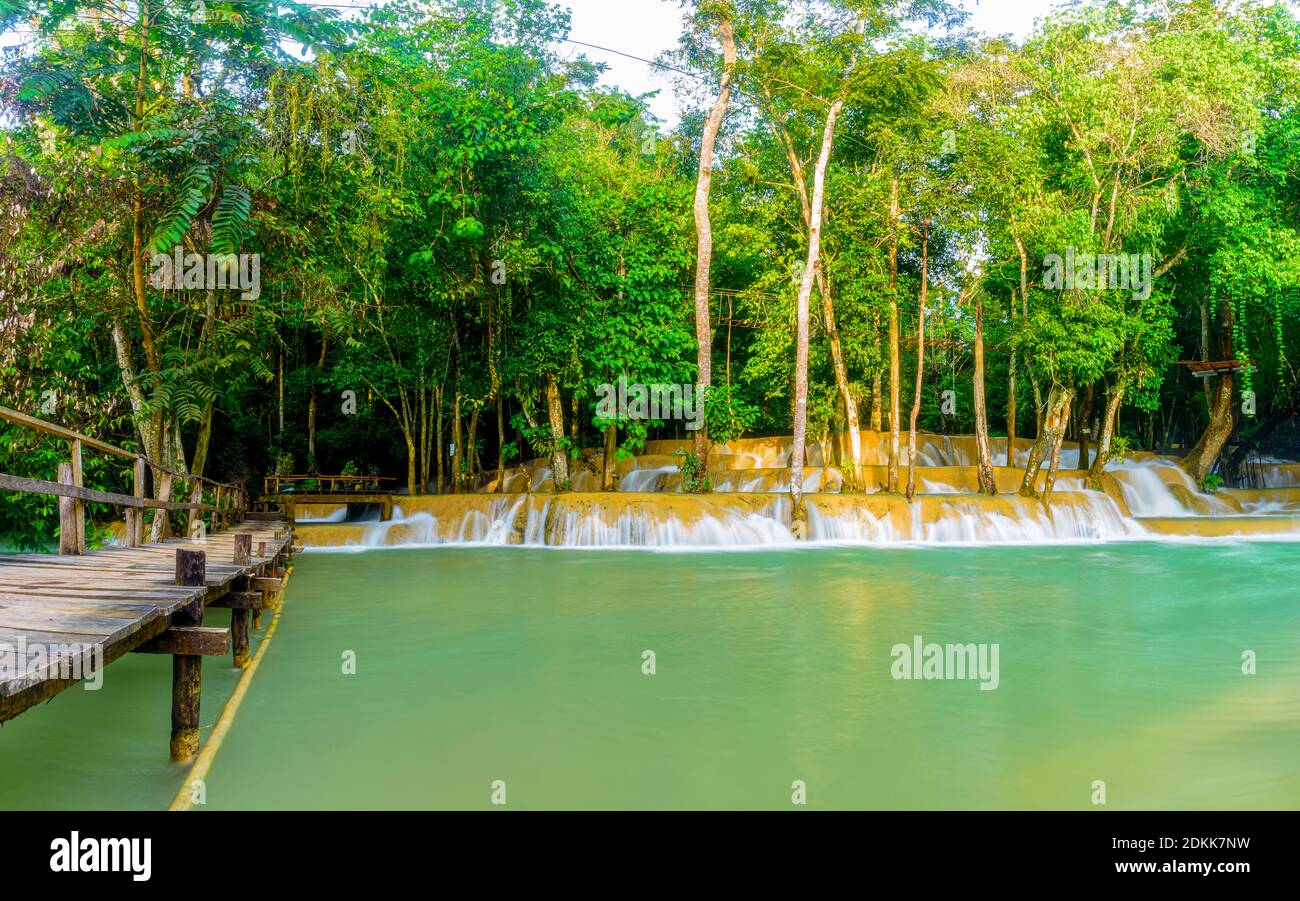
(449, 214)
(695, 472)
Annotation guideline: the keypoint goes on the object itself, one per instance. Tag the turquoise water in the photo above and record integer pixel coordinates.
(108, 748)
(1120, 663)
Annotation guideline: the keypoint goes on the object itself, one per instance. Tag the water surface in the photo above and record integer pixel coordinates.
(1118, 662)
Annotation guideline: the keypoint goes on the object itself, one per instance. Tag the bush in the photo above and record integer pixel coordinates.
(695, 478)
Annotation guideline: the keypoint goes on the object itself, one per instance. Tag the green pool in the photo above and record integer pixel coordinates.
(1118, 663)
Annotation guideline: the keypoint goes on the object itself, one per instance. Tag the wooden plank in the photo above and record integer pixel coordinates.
(110, 606)
(241, 600)
(61, 489)
(16, 697)
(264, 583)
(205, 641)
(57, 431)
(61, 619)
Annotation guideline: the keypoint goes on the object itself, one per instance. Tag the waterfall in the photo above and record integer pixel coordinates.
(1153, 488)
(313, 513)
(652, 479)
(1147, 498)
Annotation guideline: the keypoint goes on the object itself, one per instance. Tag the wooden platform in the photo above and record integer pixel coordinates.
(288, 502)
(120, 600)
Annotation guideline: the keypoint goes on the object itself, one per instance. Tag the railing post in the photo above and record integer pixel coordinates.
(78, 505)
(67, 515)
(238, 616)
(135, 515)
(196, 515)
(219, 514)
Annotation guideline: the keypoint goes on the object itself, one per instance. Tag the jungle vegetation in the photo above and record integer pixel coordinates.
(870, 218)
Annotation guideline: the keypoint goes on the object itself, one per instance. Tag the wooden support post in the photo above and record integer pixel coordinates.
(187, 682)
(135, 515)
(243, 548)
(191, 567)
(219, 514)
(239, 636)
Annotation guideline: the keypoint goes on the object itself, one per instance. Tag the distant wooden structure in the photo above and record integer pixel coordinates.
(285, 493)
(1207, 369)
(64, 618)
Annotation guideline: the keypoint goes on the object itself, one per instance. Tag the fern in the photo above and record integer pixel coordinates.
(193, 197)
(229, 220)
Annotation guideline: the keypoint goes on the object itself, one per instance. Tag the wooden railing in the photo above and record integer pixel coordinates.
(272, 485)
(230, 502)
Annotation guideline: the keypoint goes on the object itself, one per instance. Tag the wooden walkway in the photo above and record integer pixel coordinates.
(63, 618)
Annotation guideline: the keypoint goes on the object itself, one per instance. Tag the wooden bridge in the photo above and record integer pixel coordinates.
(285, 493)
(64, 618)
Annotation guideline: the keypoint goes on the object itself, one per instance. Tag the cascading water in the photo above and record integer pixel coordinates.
(751, 504)
(1151, 488)
(647, 479)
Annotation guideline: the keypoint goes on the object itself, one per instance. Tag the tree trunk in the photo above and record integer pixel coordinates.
(1042, 446)
(457, 446)
(1011, 398)
(1062, 418)
(805, 295)
(920, 362)
(853, 475)
(501, 445)
(280, 402)
(411, 486)
(891, 484)
(440, 456)
(555, 410)
(984, 462)
(704, 228)
(202, 441)
(311, 405)
(1085, 426)
(471, 451)
(877, 402)
(1200, 459)
(1107, 434)
(607, 466)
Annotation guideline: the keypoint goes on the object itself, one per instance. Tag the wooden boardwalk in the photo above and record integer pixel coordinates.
(64, 618)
